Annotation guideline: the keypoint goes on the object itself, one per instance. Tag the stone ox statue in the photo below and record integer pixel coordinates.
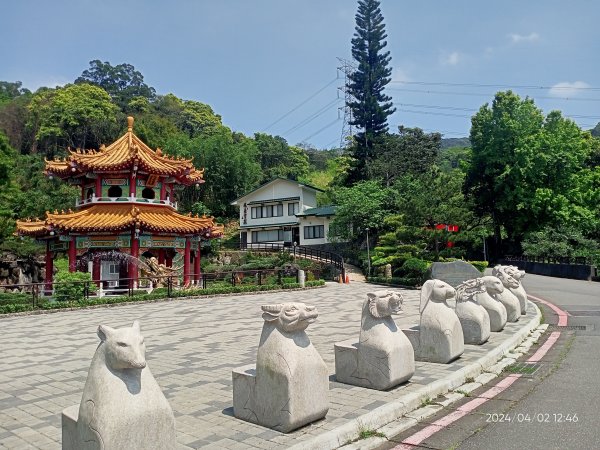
(289, 386)
(439, 336)
(474, 318)
(506, 297)
(122, 406)
(383, 356)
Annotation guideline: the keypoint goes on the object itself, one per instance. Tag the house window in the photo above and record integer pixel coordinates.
(260, 212)
(267, 236)
(314, 232)
(293, 208)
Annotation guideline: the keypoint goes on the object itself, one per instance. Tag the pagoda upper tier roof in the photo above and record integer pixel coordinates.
(116, 218)
(125, 153)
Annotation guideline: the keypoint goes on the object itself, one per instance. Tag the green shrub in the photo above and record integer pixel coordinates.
(10, 298)
(397, 281)
(70, 286)
(414, 268)
(479, 265)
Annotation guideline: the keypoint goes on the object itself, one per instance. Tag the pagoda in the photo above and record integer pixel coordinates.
(127, 208)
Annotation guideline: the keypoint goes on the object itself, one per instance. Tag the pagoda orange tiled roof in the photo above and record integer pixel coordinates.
(111, 217)
(124, 153)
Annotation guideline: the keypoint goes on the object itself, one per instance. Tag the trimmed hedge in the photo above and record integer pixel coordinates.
(396, 281)
(6, 309)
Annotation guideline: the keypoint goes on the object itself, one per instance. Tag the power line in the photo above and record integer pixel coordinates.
(321, 130)
(301, 104)
(503, 86)
(312, 117)
(478, 94)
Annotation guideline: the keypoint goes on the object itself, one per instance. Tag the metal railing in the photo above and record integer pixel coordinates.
(36, 293)
(581, 260)
(133, 199)
(323, 256)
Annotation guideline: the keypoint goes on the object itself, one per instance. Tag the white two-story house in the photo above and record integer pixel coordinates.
(285, 212)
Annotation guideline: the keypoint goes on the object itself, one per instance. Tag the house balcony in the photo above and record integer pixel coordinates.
(132, 199)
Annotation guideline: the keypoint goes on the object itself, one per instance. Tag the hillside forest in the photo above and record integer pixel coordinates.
(525, 182)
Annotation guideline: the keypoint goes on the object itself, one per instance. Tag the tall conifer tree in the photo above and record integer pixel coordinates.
(370, 107)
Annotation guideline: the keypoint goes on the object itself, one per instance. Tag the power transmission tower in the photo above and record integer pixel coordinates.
(346, 68)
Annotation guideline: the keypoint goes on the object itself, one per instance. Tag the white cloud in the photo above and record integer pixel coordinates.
(399, 74)
(451, 59)
(567, 89)
(517, 38)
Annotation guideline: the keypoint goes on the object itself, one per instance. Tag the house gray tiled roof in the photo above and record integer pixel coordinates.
(328, 210)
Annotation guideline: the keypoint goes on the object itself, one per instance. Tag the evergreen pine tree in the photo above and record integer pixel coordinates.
(370, 107)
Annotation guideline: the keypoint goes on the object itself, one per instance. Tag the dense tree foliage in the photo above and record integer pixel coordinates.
(370, 106)
(528, 170)
(122, 82)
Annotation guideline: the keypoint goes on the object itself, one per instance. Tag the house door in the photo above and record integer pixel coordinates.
(296, 235)
(243, 239)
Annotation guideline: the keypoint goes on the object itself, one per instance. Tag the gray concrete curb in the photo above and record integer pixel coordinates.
(392, 411)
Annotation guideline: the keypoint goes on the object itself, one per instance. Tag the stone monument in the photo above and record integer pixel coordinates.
(383, 357)
(519, 292)
(453, 273)
(439, 336)
(289, 385)
(122, 406)
(474, 318)
(506, 297)
(487, 299)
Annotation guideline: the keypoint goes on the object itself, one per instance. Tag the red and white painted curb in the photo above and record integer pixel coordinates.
(417, 438)
(562, 314)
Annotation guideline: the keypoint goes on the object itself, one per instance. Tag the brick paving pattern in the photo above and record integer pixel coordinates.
(192, 346)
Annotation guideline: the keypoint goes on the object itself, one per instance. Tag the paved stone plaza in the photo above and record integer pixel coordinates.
(192, 346)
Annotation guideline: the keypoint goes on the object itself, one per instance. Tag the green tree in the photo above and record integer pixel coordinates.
(370, 106)
(526, 168)
(122, 82)
(278, 159)
(364, 205)
(411, 151)
(77, 115)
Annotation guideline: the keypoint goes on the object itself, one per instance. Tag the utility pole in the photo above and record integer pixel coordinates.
(346, 68)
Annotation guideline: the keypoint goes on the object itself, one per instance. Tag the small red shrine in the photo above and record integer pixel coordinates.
(127, 206)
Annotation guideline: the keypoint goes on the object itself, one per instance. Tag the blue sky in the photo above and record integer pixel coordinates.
(254, 61)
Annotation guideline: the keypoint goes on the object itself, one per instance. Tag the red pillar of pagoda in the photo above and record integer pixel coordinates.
(99, 186)
(73, 255)
(135, 252)
(197, 265)
(186, 262)
(96, 270)
(49, 267)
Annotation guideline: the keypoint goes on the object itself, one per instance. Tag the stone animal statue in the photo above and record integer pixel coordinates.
(506, 297)
(487, 299)
(439, 337)
(519, 292)
(474, 318)
(289, 386)
(122, 406)
(383, 356)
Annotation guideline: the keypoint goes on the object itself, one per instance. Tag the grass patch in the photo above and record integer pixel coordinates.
(366, 434)
(469, 380)
(426, 401)
(465, 393)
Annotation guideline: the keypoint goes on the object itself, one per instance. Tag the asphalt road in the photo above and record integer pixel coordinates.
(555, 408)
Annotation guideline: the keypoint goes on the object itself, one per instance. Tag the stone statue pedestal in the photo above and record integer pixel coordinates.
(383, 357)
(289, 385)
